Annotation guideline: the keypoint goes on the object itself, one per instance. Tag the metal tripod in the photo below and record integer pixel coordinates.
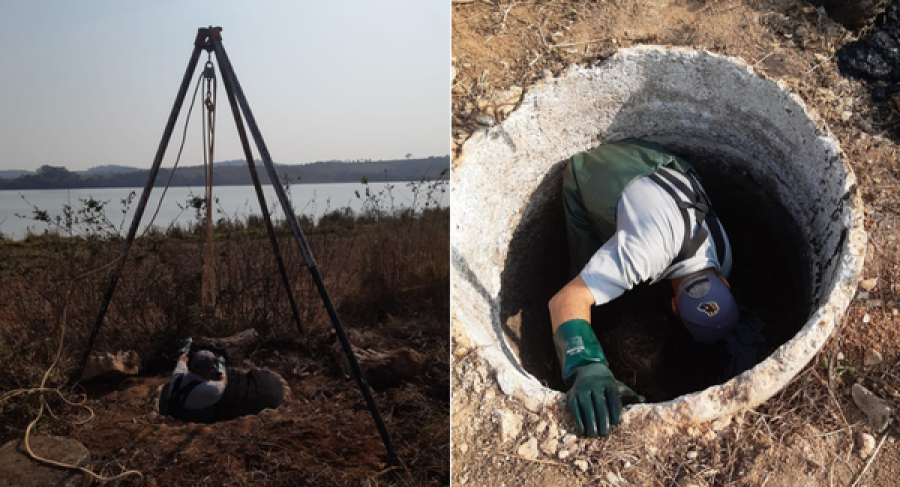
(210, 39)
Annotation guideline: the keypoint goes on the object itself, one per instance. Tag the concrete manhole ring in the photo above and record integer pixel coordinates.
(690, 102)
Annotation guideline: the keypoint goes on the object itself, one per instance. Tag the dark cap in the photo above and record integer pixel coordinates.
(706, 307)
(203, 361)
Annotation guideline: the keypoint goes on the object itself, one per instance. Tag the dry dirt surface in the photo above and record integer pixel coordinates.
(323, 435)
(811, 433)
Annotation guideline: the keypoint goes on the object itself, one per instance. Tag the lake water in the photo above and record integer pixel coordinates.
(313, 200)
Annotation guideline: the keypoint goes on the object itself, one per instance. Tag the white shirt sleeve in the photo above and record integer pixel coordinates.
(180, 368)
(649, 235)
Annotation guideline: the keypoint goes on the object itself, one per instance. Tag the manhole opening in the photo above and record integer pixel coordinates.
(647, 346)
(247, 393)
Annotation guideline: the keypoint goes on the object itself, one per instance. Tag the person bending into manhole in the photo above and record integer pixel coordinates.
(634, 213)
(196, 389)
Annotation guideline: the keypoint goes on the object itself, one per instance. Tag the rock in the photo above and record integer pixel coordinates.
(529, 449)
(868, 284)
(532, 404)
(872, 358)
(553, 431)
(563, 454)
(721, 423)
(17, 469)
(876, 409)
(615, 479)
(550, 446)
(463, 448)
(569, 439)
(541, 426)
(582, 464)
(485, 120)
(111, 367)
(235, 348)
(510, 425)
(383, 369)
(866, 444)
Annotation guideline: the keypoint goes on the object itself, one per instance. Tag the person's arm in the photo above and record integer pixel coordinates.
(181, 365)
(573, 301)
(595, 395)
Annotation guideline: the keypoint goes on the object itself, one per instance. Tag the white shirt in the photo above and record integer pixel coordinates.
(207, 393)
(649, 235)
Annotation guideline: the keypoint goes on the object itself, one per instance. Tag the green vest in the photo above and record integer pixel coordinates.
(594, 182)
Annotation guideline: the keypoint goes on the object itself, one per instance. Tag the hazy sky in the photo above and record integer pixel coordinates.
(87, 83)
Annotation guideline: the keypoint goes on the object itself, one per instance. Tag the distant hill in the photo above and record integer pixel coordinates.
(108, 169)
(13, 173)
(235, 173)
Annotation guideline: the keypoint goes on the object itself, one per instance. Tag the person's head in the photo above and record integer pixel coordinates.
(202, 363)
(705, 305)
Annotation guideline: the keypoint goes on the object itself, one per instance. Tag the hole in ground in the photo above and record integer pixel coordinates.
(247, 393)
(647, 346)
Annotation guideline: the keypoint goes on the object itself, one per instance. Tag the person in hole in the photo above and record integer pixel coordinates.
(195, 390)
(634, 213)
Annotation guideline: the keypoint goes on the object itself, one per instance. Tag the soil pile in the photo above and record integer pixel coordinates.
(876, 58)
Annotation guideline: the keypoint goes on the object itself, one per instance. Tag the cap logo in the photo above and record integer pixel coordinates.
(711, 308)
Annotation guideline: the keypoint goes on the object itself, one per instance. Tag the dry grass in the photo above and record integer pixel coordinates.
(386, 271)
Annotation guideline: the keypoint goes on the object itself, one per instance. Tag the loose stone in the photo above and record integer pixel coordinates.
(550, 446)
(529, 449)
(510, 425)
(866, 444)
(868, 284)
(872, 358)
(876, 409)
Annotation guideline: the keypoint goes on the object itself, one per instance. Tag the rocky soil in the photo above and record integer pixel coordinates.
(814, 432)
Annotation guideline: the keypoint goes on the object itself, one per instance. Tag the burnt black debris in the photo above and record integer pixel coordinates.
(876, 59)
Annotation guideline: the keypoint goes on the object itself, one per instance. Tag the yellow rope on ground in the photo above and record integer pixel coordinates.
(43, 388)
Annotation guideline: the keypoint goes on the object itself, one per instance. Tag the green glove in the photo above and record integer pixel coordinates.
(595, 397)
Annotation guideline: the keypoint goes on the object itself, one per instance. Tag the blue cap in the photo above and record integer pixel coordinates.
(706, 307)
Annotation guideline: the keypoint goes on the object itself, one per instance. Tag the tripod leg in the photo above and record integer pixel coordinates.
(232, 84)
(270, 230)
(145, 195)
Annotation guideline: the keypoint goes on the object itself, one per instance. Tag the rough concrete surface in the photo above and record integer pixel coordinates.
(690, 102)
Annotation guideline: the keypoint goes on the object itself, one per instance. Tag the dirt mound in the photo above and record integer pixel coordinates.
(877, 57)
